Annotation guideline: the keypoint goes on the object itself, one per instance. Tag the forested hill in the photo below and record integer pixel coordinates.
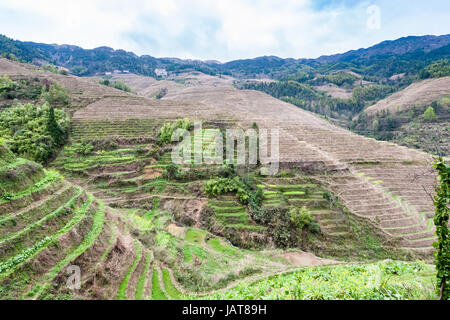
(404, 55)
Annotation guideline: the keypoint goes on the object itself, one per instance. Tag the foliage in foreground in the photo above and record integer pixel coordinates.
(442, 245)
(380, 281)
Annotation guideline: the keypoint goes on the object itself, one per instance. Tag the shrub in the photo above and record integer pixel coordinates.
(172, 171)
(115, 84)
(300, 218)
(441, 219)
(83, 149)
(79, 70)
(161, 93)
(167, 130)
(6, 85)
(107, 143)
(429, 114)
(56, 95)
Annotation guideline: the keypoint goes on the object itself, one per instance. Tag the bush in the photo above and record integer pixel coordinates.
(115, 84)
(161, 93)
(83, 149)
(300, 218)
(6, 85)
(106, 144)
(166, 131)
(56, 95)
(429, 114)
(172, 171)
(79, 70)
(441, 219)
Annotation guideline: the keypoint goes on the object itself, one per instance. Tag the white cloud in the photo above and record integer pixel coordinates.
(222, 29)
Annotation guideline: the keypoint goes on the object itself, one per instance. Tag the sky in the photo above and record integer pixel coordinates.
(223, 30)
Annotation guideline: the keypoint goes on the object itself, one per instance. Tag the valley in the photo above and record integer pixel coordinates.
(110, 202)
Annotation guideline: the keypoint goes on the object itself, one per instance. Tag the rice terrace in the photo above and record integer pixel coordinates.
(126, 177)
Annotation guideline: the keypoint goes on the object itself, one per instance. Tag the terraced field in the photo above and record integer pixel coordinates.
(137, 233)
(49, 223)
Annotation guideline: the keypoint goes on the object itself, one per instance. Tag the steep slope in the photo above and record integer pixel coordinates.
(419, 94)
(48, 224)
(418, 116)
(81, 91)
(395, 47)
(310, 143)
(162, 238)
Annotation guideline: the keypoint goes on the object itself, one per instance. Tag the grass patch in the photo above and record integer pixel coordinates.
(141, 283)
(122, 294)
(217, 245)
(157, 292)
(172, 292)
(195, 236)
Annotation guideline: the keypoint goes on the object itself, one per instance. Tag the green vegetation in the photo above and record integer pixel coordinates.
(305, 97)
(87, 242)
(244, 189)
(122, 294)
(250, 224)
(79, 70)
(166, 131)
(429, 114)
(172, 292)
(141, 283)
(14, 176)
(12, 263)
(417, 127)
(20, 89)
(300, 217)
(195, 236)
(34, 132)
(56, 95)
(157, 292)
(217, 245)
(339, 79)
(437, 69)
(441, 219)
(161, 93)
(115, 84)
(54, 69)
(379, 281)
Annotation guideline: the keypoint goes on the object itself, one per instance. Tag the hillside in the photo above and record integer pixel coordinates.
(141, 228)
(417, 116)
(419, 95)
(404, 55)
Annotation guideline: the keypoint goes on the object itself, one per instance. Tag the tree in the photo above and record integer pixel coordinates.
(441, 217)
(429, 114)
(6, 85)
(56, 95)
(53, 128)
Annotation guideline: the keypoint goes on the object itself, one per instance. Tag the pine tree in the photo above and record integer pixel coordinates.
(53, 128)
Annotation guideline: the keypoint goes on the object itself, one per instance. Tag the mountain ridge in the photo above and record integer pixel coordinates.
(106, 59)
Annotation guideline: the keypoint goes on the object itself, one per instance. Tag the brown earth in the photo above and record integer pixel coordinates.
(418, 94)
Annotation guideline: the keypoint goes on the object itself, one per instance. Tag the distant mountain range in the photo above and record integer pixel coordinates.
(404, 55)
